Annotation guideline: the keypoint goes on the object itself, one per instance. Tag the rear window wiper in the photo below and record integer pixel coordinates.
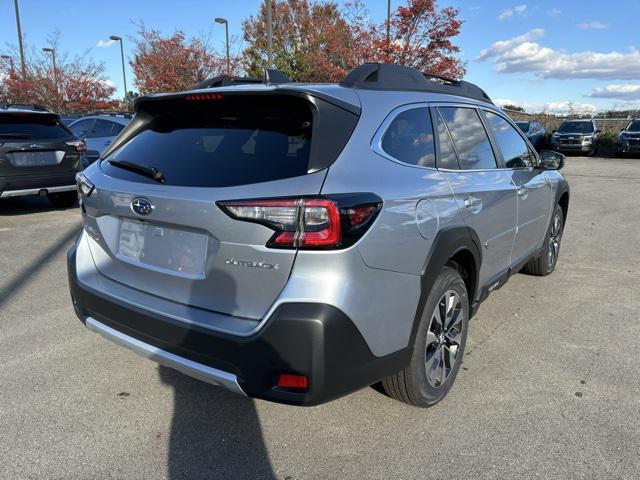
(26, 136)
(150, 172)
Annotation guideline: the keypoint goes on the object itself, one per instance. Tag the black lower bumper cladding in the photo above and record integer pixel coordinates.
(315, 340)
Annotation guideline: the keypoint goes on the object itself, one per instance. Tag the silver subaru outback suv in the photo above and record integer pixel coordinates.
(296, 242)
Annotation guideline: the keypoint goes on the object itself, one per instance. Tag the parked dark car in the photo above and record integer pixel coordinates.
(580, 136)
(534, 132)
(629, 139)
(38, 155)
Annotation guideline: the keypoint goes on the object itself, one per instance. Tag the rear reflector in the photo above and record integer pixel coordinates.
(293, 381)
(306, 222)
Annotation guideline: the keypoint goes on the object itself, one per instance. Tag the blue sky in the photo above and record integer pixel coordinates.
(537, 54)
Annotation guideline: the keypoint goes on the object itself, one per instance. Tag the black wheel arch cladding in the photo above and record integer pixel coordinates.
(448, 243)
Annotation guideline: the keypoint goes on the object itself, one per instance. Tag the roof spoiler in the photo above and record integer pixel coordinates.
(382, 76)
(272, 76)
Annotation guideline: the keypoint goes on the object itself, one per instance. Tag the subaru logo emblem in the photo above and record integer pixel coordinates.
(141, 206)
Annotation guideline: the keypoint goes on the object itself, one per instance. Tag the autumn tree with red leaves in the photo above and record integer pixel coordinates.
(320, 41)
(421, 38)
(77, 85)
(174, 62)
(312, 41)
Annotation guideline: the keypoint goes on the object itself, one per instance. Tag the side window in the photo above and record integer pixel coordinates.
(514, 149)
(447, 158)
(81, 128)
(116, 129)
(102, 128)
(409, 138)
(469, 137)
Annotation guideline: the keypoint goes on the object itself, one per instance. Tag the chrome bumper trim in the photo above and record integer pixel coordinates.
(35, 191)
(188, 367)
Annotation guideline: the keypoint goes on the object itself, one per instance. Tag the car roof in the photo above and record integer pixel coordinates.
(26, 110)
(121, 120)
(399, 84)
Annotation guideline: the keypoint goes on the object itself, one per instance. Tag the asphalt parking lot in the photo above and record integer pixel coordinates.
(550, 386)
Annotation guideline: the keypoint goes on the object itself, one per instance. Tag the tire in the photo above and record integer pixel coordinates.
(420, 384)
(545, 263)
(63, 199)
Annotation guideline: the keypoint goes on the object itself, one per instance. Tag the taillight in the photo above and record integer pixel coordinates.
(204, 96)
(79, 145)
(308, 222)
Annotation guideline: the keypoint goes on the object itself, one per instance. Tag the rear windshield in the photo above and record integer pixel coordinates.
(234, 141)
(31, 127)
(576, 127)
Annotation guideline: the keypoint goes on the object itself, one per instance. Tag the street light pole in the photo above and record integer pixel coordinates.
(52, 51)
(10, 58)
(23, 65)
(388, 25)
(226, 30)
(124, 75)
(269, 36)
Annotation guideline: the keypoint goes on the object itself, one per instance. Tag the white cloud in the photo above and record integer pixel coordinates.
(523, 54)
(595, 25)
(103, 44)
(510, 12)
(504, 46)
(626, 91)
(554, 12)
(560, 108)
(505, 101)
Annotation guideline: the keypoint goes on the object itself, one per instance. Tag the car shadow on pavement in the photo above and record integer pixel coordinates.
(26, 273)
(14, 206)
(214, 433)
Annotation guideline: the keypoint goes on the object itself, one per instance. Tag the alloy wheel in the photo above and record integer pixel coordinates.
(443, 338)
(555, 235)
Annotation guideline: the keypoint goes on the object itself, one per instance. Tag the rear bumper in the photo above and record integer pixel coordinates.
(312, 339)
(15, 186)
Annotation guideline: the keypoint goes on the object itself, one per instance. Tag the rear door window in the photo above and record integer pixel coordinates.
(21, 126)
(82, 128)
(235, 141)
(102, 128)
(409, 138)
(116, 128)
(515, 150)
(469, 137)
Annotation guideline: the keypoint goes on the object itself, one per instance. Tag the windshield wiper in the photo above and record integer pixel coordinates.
(26, 136)
(150, 172)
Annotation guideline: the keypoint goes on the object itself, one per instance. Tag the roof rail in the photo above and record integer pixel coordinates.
(271, 76)
(383, 76)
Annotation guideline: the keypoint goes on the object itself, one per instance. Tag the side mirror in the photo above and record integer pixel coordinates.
(598, 131)
(552, 160)
(553, 131)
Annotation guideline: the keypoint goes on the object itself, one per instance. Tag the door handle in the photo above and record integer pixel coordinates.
(523, 192)
(472, 203)
(107, 143)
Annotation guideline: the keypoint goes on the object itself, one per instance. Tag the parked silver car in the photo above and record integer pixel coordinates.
(98, 131)
(296, 242)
